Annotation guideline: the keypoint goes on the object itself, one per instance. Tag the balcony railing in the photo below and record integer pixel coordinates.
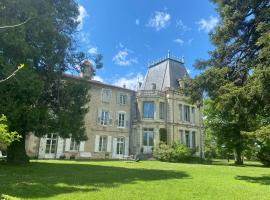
(150, 93)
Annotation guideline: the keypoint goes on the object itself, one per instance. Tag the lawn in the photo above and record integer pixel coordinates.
(117, 180)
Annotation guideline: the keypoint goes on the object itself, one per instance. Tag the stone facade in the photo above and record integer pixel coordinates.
(122, 122)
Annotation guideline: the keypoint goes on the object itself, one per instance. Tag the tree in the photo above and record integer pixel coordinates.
(39, 99)
(234, 77)
(7, 137)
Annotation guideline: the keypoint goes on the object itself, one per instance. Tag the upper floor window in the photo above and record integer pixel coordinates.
(186, 114)
(193, 115)
(74, 145)
(154, 86)
(148, 109)
(121, 120)
(104, 118)
(162, 110)
(180, 112)
(123, 99)
(106, 95)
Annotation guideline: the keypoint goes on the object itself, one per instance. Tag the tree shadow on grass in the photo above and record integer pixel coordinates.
(49, 179)
(263, 180)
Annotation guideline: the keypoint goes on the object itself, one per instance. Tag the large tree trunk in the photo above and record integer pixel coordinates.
(238, 157)
(16, 153)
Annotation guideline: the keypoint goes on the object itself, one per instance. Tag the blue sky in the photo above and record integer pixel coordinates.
(132, 33)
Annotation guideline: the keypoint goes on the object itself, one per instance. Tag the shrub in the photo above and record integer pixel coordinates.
(264, 155)
(172, 153)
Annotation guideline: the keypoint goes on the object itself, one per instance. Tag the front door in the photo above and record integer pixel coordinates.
(148, 141)
(119, 147)
(51, 144)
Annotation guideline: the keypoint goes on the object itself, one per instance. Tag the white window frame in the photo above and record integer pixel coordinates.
(52, 139)
(186, 113)
(106, 95)
(103, 142)
(123, 99)
(121, 120)
(74, 146)
(104, 121)
(120, 143)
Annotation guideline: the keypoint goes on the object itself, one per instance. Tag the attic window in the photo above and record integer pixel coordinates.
(154, 86)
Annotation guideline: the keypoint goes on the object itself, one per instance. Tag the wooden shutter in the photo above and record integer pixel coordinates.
(81, 149)
(126, 153)
(60, 147)
(114, 147)
(97, 143)
(67, 147)
(127, 120)
(110, 118)
(42, 147)
(116, 119)
(109, 144)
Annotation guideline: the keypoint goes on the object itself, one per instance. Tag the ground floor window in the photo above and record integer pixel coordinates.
(103, 143)
(74, 145)
(51, 143)
(120, 146)
(148, 137)
(187, 137)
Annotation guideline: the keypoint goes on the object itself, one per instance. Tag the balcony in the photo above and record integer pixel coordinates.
(150, 93)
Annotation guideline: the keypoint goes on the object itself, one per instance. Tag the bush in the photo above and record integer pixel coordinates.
(264, 155)
(172, 153)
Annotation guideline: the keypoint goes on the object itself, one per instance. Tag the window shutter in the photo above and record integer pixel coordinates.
(42, 147)
(97, 143)
(109, 144)
(110, 118)
(81, 149)
(126, 153)
(127, 120)
(67, 147)
(116, 119)
(118, 98)
(99, 112)
(128, 100)
(60, 147)
(114, 147)
(190, 140)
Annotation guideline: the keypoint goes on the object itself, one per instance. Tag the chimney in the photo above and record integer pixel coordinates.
(86, 70)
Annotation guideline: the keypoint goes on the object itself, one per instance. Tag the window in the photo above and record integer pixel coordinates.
(104, 118)
(187, 139)
(180, 112)
(148, 109)
(106, 95)
(193, 114)
(154, 86)
(51, 144)
(186, 114)
(120, 146)
(148, 137)
(193, 139)
(102, 144)
(121, 120)
(123, 99)
(162, 110)
(74, 145)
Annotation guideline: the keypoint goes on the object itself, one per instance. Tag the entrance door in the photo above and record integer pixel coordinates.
(148, 141)
(51, 143)
(119, 147)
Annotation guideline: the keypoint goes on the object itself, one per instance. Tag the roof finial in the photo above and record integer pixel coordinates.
(183, 59)
(168, 53)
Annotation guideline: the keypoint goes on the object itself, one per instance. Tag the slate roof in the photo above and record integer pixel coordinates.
(164, 74)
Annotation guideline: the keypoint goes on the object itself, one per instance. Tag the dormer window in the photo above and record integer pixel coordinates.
(154, 86)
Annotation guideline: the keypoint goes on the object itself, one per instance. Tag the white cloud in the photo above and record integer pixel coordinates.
(207, 25)
(190, 41)
(93, 50)
(130, 81)
(82, 15)
(98, 78)
(137, 22)
(181, 26)
(122, 58)
(179, 41)
(159, 20)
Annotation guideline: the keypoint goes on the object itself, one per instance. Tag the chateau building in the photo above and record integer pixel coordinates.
(122, 122)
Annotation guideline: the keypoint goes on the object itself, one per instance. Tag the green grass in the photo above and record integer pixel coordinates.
(119, 180)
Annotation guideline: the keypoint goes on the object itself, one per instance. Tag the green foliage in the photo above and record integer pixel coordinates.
(7, 137)
(163, 135)
(172, 153)
(236, 77)
(40, 100)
